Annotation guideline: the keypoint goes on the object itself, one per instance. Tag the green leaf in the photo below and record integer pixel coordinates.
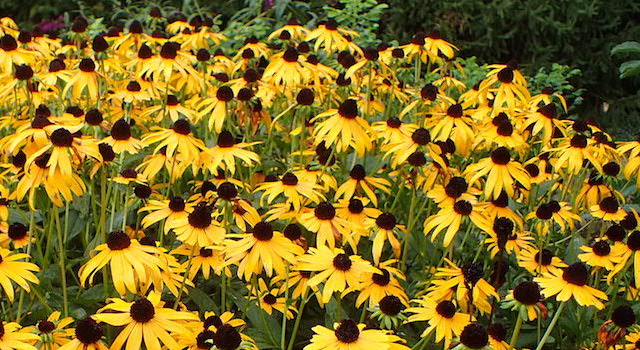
(626, 47)
(629, 69)
(201, 299)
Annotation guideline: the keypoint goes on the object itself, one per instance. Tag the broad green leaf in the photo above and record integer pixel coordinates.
(626, 47)
(629, 69)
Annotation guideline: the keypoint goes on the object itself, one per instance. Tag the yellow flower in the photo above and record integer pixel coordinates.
(14, 270)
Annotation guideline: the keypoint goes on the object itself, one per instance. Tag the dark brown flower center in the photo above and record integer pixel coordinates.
(576, 274)
(463, 207)
(497, 331)
(609, 205)
(176, 204)
(118, 240)
(472, 273)
(623, 316)
(227, 191)
(325, 211)
(289, 179)
(601, 248)
(342, 262)
(17, 231)
(88, 331)
(204, 339)
(224, 94)
(505, 75)
(417, 159)
(355, 206)
(226, 139)
(263, 231)
(292, 232)
(46, 326)
(142, 310)
(456, 187)
(386, 221)
(348, 109)
(501, 156)
(182, 127)
(391, 305)
(382, 279)
(87, 65)
(545, 258)
(200, 217)
(446, 309)
(227, 338)
(633, 241)
(347, 331)
(527, 293)
(429, 92)
(579, 141)
(269, 299)
(121, 130)
(474, 336)
(358, 172)
(421, 136)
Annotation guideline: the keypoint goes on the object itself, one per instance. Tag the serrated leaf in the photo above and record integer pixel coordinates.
(629, 69)
(626, 47)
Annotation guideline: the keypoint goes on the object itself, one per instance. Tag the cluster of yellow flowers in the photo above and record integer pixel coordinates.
(297, 172)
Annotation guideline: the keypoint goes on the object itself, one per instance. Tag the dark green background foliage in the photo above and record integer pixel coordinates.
(536, 33)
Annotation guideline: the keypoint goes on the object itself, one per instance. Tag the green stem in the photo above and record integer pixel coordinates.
(516, 332)
(61, 262)
(283, 332)
(184, 279)
(296, 324)
(556, 316)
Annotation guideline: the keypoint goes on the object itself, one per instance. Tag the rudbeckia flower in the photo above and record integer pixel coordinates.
(323, 221)
(13, 337)
(601, 254)
(335, 269)
(145, 321)
(453, 280)
(378, 285)
(176, 140)
(84, 81)
(88, 335)
(286, 69)
(169, 210)
(571, 283)
(53, 331)
(360, 181)
(545, 120)
(608, 209)
(12, 269)
(502, 173)
(525, 299)
(344, 128)
(269, 299)
(121, 140)
(292, 28)
(512, 89)
(349, 335)
(540, 261)
(226, 152)
(450, 218)
(131, 263)
(296, 191)
(263, 249)
(330, 37)
(199, 228)
(442, 317)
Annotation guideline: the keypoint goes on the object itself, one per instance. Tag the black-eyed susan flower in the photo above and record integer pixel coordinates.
(121, 139)
(378, 285)
(602, 254)
(608, 209)
(88, 336)
(145, 321)
(359, 181)
(295, 190)
(54, 332)
(270, 299)
(571, 282)
(525, 299)
(501, 171)
(443, 318)
(349, 335)
(336, 270)
(199, 228)
(12, 269)
(540, 261)
(344, 128)
(13, 336)
(227, 152)
(450, 218)
(262, 249)
(131, 263)
(323, 221)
